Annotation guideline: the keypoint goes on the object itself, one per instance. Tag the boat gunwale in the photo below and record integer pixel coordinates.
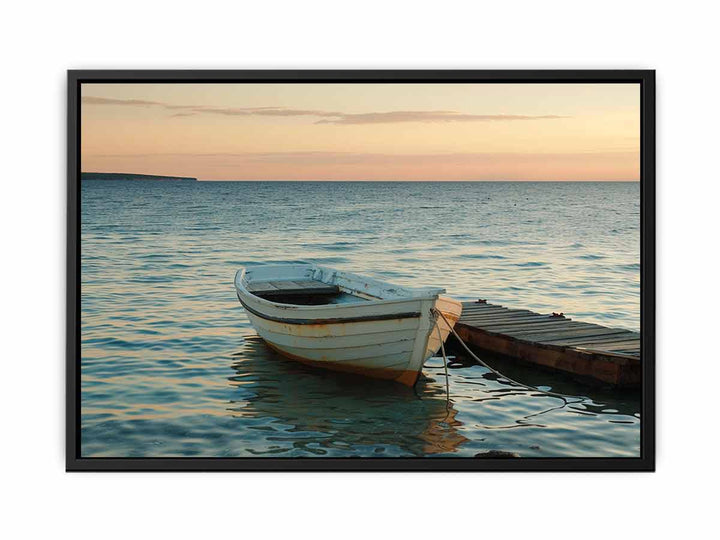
(336, 320)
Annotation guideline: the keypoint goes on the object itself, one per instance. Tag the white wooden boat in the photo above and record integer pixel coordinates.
(343, 321)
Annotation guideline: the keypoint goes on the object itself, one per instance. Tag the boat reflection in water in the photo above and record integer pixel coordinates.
(302, 411)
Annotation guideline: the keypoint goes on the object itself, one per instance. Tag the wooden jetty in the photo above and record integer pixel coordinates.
(588, 351)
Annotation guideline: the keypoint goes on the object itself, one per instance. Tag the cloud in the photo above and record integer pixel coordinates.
(264, 111)
(326, 117)
(201, 109)
(327, 157)
(92, 100)
(395, 117)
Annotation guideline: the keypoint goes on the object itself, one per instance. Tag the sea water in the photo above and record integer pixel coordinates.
(170, 365)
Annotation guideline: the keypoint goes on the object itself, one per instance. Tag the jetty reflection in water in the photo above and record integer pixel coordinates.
(338, 415)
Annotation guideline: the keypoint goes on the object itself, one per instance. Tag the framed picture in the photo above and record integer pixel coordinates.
(361, 270)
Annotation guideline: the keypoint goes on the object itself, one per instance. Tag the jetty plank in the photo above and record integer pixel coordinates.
(550, 336)
(597, 339)
(478, 305)
(502, 318)
(506, 315)
(577, 330)
(492, 309)
(486, 312)
(612, 345)
(533, 327)
(528, 325)
(592, 352)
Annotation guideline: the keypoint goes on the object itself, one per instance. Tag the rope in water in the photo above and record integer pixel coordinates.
(437, 312)
(445, 362)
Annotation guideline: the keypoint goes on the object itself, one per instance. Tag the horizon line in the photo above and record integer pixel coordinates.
(354, 180)
(406, 180)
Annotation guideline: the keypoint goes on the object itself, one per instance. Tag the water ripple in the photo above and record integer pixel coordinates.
(172, 367)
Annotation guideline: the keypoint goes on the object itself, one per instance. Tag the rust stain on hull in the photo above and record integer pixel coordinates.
(403, 376)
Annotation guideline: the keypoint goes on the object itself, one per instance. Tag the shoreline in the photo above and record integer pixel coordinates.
(132, 176)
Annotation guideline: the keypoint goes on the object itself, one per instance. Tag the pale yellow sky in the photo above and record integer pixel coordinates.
(363, 131)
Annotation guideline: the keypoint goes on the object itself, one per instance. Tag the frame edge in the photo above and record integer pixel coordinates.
(647, 461)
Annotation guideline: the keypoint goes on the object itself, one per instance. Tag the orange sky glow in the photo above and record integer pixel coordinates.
(363, 131)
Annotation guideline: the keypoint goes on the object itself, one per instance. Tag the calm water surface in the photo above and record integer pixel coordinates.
(172, 367)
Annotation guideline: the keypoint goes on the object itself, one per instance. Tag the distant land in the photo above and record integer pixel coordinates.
(127, 176)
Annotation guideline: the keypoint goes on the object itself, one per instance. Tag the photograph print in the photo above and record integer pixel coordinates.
(341, 270)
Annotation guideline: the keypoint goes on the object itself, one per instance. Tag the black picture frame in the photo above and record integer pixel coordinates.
(646, 461)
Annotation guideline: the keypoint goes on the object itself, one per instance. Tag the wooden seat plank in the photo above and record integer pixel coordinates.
(260, 286)
(313, 284)
(284, 287)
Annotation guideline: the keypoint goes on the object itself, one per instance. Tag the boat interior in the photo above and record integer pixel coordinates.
(302, 292)
(312, 285)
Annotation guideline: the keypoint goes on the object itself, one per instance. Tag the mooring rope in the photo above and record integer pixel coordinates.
(445, 362)
(564, 397)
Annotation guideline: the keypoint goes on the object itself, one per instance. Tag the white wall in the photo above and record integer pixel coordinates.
(39, 42)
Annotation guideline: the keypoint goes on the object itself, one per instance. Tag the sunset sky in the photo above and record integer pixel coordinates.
(363, 131)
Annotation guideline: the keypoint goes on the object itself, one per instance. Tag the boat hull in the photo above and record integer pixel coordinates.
(389, 339)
